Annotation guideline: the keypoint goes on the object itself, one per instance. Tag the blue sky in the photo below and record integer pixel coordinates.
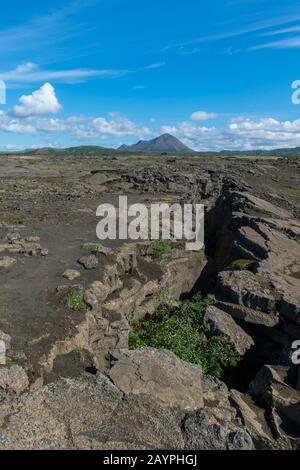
(216, 74)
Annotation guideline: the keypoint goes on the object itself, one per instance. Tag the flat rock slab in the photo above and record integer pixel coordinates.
(243, 287)
(87, 414)
(160, 374)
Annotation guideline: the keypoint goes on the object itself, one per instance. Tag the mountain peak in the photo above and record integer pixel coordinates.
(165, 143)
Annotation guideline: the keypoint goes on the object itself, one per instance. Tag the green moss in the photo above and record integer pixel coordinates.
(90, 246)
(76, 302)
(9, 187)
(10, 362)
(241, 264)
(160, 249)
(181, 329)
(11, 219)
(264, 281)
(257, 212)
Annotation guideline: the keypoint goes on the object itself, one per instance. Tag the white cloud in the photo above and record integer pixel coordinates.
(41, 30)
(156, 65)
(12, 147)
(17, 127)
(26, 67)
(30, 72)
(287, 43)
(202, 116)
(49, 125)
(267, 132)
(240, 134)
(119, 126)
(252, 30)
(42, 101)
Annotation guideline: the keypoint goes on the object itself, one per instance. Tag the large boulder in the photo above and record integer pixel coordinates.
(221, 323)
(13, 379)
(160, 374)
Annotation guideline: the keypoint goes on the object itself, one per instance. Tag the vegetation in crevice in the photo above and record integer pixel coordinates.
(181, 329)
(242, 264)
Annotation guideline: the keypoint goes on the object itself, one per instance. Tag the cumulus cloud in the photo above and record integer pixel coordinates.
(240, 134)
(29, 117)
(202, 116)
(118, 126)
(42, 101)
(17, 127)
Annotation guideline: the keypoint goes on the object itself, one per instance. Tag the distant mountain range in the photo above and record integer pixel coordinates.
(165, 143)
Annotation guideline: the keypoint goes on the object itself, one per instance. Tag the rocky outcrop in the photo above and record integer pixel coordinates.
(244, 288)
(93, 413)
(274, 387)
(258, 286)
(205, 431)
(146, 398)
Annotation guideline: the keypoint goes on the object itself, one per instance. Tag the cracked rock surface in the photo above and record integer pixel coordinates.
(70, 382)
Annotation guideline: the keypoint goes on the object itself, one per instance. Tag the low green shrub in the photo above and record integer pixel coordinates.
(181, 329)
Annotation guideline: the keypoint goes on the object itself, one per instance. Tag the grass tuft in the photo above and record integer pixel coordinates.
(90, 246)
(76, 302)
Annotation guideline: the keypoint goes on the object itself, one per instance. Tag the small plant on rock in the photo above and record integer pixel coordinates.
(90, 247)
(76, 302)
(160, 249)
